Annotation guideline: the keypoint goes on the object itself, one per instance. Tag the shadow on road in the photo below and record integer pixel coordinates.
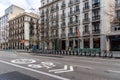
(16, 76)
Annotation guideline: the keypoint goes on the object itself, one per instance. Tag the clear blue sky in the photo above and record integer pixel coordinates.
(26, 4)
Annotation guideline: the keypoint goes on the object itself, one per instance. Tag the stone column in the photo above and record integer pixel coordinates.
(67, 44)
(91, 42)
(73, 43)
(108, 44)
(81, 43)
(103, 40)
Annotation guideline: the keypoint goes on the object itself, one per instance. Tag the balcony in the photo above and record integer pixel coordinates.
(86, 21)
(63, 25)
(71, 13)
(96, 5)
(85, 0)
(96, 32)
(63, 6)
(54, 36)
(75, 12)
(42, 28)
(42, 21)
(42, 38)
(63, 16)
(46, 29)
(77, 2)
(74, 23)
(54, 9)
(86, 33)
(116, 20)
(86, 9)
(96, 18)
(63, 35)
(71, 3)
(55, 26)
(55, 18)
(72, 35)
(117, 6)
(46, 37)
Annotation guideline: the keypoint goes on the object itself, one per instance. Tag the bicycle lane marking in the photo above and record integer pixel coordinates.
(33, 70)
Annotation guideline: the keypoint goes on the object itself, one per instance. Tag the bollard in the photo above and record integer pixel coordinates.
(110, 54)
(104, 53)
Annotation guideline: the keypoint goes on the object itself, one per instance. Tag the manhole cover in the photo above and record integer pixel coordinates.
(23, 61)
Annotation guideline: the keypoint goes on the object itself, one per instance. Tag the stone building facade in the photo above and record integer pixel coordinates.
(23, 31)
(75, 23)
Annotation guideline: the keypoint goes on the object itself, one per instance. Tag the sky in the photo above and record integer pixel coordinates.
(25, 4)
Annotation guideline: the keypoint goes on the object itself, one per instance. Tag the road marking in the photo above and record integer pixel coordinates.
(48, 64)
(86, 67)
(65, 69)
(71, 69)
(35, 66)
(114, 71)
(33, 70)
(23, 61)
(117, 64)
(43, 64)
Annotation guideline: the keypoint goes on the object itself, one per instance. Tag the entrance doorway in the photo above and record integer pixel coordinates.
(63, 44)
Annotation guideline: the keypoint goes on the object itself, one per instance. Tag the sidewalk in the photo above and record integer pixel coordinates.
(116, 54)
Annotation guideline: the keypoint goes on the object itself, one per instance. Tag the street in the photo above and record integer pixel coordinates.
(26, 66)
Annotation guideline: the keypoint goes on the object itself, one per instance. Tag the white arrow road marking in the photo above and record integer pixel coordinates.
(114, 71)
(71, 69)
(62, 70)
(65, 68)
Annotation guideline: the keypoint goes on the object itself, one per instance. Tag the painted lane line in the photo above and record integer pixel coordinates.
(33, 70)
(86, 67)
(91, 61)
(71, 69)
(117, 64)
(65, 67)
(114, 71)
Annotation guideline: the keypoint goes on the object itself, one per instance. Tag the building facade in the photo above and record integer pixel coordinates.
(10, 12)
(23, 31)
(114, 34)
(75, 23)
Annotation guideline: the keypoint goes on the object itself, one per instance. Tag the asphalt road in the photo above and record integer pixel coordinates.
(25, 66)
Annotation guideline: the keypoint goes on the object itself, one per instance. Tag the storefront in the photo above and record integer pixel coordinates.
(115, 42)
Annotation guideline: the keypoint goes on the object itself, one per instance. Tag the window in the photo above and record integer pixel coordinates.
(77, 8)
(96, 12)
(96, 26)
(70, 10)
(118, 14)
(71, 19)
(86, 28)
(96, 1)
(63, 12)
(63, 31)
(76, 18)
(86, 5)
(86, 16)
(70, 30)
